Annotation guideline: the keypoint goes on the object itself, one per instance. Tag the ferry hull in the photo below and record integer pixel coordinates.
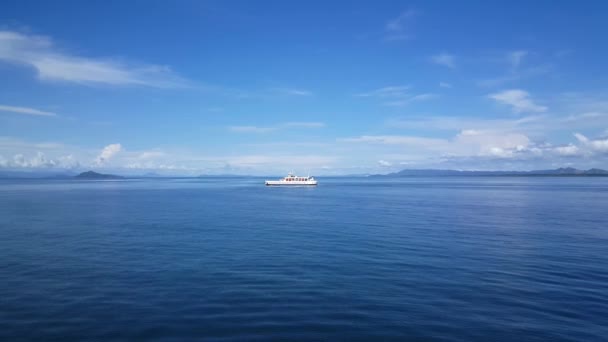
(292, 180)
(291, 183)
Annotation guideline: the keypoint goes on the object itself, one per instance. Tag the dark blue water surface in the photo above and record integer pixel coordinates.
(428, 259)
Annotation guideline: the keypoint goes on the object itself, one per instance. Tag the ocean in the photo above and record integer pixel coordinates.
(353, 259)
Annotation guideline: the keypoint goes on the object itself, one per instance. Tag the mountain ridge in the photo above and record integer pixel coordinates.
(564, 171)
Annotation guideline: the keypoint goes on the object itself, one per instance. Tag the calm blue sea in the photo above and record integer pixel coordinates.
(218, 259)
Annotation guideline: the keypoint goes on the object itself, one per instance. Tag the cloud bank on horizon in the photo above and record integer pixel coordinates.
(388, 88)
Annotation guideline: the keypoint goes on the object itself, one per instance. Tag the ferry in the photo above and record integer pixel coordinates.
(292, 179)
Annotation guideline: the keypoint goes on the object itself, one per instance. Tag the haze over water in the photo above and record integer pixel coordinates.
(432, 259)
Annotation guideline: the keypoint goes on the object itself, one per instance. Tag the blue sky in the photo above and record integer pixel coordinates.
(197, 87)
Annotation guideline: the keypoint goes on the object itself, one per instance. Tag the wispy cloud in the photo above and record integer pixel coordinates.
(282, 126)
(467, 143)
(265, 93)
(294, 92)
(584, 116)
(10, 143)
(444, 59)
(519, 100)
(516, 74)
(25, 111)
(390, 91)
(515, 58)
(459, 123)
(299, 161)
(445, 85)
(396, 140)
(397, 28)
(251, 129)
(303, 124)
(54, 64)
(396, 95)
(569, 111)
(413, 98)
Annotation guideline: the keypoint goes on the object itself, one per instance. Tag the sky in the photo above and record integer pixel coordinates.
(326, 87)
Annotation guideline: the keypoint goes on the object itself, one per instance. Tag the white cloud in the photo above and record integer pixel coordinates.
(68, 161)
(444, 59)
(107, 153)
(492, 143)
(53, 64)
(599, 145)
(25, 111)
(568, 150)
(282, 126)
(38, 161)
(483, 148)
(396, 28)
(516, 57)
(581, 138)
(474, 148)
(519, 100)
(445, 85)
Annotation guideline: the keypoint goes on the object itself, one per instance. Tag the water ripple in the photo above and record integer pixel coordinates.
(473, 259)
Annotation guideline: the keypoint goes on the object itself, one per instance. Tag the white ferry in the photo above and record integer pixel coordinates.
(292, 179)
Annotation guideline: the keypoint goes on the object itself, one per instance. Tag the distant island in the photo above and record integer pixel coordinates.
(568, 171)
(95, 175)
